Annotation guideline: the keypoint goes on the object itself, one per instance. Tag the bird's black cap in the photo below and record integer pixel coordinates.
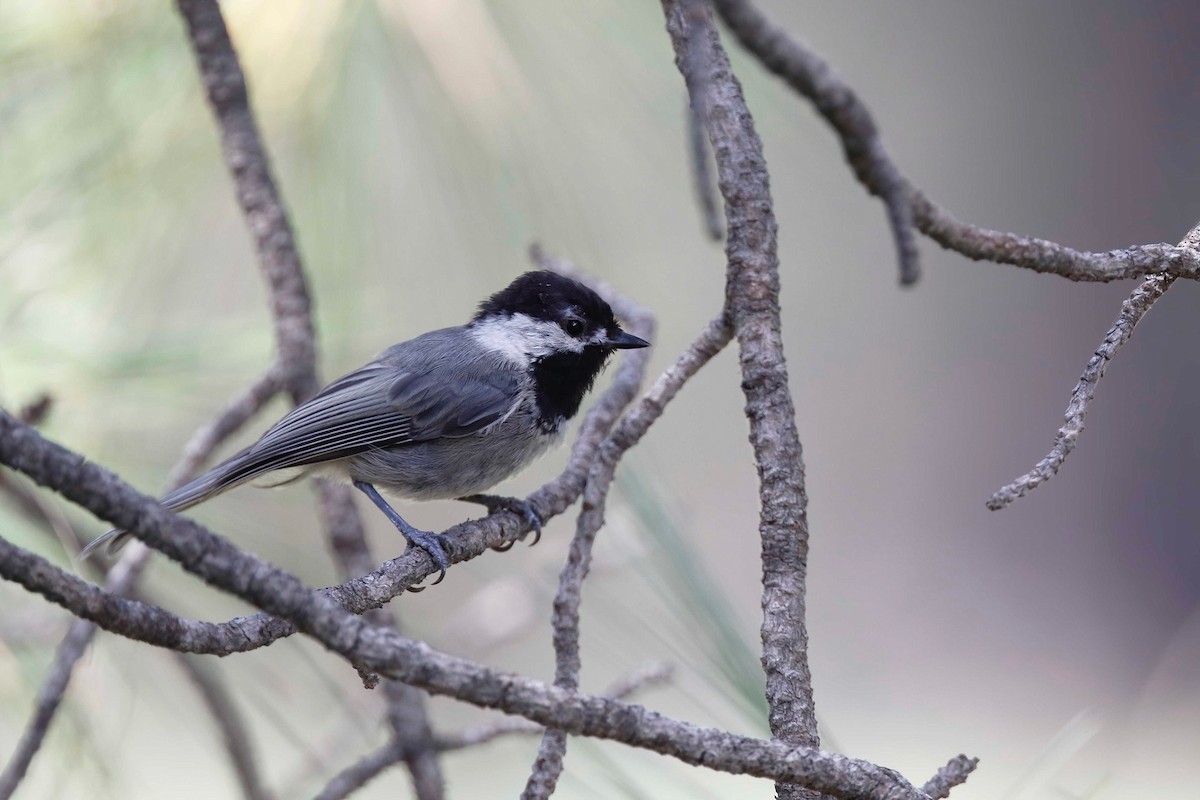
(547, 295)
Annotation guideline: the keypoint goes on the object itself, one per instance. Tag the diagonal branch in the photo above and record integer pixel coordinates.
(1133, 310)
(811, 76)
(386, 652)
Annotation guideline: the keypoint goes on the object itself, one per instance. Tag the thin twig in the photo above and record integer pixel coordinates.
(752, 307)
(547, 766)
(238, 744)
(384, 651)
(956, 772)
(702, 177)
(1133, 311)
(810, 75)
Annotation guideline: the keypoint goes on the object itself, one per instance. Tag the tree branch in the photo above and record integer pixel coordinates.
(752, 307)
(279, 593)
(812, 77)
(1133, 310)
(837, 102)
(954, 773)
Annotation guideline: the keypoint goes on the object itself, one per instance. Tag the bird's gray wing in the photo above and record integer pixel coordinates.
(376, 406)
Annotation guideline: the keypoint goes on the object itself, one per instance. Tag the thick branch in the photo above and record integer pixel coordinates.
(752, 306)
(384, 651)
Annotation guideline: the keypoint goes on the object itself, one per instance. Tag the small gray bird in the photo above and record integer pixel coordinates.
(445, 415)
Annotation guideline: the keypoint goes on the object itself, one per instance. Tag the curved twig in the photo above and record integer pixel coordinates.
(1133, 310)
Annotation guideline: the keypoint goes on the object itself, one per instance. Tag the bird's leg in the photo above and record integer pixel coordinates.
(428, 541)
(495, 503)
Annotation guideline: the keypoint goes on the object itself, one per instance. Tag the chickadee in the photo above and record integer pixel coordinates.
(445, 415)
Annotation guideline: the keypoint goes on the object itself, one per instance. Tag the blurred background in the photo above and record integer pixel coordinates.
(421, 146)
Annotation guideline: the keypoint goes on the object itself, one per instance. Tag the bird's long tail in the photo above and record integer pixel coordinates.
(220, 478)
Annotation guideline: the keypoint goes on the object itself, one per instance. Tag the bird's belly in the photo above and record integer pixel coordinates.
(448, 468)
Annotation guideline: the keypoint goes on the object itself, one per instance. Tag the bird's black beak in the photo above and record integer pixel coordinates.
(626, 341)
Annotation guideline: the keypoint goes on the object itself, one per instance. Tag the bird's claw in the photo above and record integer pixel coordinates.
(524, 508)
(434, 546)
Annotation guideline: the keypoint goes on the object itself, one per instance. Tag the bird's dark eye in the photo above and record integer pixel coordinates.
(574, 327)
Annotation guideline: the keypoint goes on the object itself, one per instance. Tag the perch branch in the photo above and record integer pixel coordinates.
(384, 651)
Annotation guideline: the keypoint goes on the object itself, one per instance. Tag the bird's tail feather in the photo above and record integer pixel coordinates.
(212, 483)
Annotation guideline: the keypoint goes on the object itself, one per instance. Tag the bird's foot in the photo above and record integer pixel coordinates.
(434, 545)
(523, 508)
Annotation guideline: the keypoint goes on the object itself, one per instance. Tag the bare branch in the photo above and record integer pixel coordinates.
(368, 768)
(278, 257)
(1133, 310)
(752, 307)
(650, 674)
(836, 101)
(811, 76)
(229, 721)
(279, 593)
(953, 774)
(412, 737)
(363, 771)
(547, 766)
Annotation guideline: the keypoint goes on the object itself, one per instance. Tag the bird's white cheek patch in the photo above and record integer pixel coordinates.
(521, 338)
